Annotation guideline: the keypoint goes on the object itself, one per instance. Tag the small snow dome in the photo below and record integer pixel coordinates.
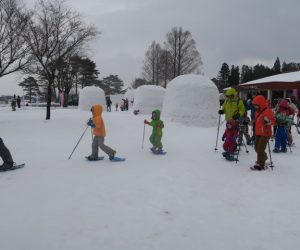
(91, 95)
(148, 98)
(192, 100)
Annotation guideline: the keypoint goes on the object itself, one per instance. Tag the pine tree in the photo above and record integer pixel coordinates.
(277, 66)
(31, 87)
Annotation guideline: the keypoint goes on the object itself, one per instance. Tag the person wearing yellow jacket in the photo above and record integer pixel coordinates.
(233, 107)
(99, 132)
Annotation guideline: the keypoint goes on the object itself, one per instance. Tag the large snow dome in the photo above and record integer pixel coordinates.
(192, 100)
(147, 98)
(90, 96)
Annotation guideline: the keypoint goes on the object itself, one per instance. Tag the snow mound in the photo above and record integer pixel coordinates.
(90, 96)
(192, 100)
(148, 98)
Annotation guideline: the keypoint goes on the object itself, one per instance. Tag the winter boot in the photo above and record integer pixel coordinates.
(6, 166)
(112, 155)
(230, 157)
(153, 149)
(258, 167)
(225, 154)
(91, 158)
(283, 150)
(276, 150)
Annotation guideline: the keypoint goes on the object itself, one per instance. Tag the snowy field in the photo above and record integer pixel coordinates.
(189, 199)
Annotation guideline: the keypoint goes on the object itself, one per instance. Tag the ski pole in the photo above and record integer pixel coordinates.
(271, 165)
(143, 137)
(218, 133)
(78, 142)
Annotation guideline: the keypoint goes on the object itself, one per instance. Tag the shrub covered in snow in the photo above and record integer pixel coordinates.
(90, 96)
(147, 98)
(192, 100)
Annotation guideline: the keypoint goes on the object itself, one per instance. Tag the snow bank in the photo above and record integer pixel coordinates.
(192, 100)
(89, 96)
(147, 98)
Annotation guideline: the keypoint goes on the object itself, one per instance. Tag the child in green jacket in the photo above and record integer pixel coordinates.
(156, 135)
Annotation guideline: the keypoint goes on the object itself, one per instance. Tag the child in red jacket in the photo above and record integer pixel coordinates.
(229, 137)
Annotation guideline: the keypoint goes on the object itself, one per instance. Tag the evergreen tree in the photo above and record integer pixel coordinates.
(112, 85)
(31, 87)
(223, 75)
(277, 66)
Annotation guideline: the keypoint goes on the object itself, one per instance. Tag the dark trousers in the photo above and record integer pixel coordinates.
(260, 144)
(4, 153)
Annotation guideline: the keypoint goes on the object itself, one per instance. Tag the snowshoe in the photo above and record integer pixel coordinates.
(230, 158)
(116, 158)
(10, 167)
(257, 167)
(159, 152)
(91, 158)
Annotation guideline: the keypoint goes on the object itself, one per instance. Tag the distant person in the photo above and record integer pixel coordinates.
(98, 127)
(156, 135)
(117, 105)
(14, 103)
(108, 104)
(6, 157)
(19, 101)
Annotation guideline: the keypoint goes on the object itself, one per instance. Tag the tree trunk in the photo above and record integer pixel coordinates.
(49, 97)
(66, 100)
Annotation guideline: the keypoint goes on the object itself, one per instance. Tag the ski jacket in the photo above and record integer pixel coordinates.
(99, 129)
(156, 124)
(233, 106)
(263, 114)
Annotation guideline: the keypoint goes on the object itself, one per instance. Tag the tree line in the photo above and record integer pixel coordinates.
(228, 77)
(48, 45)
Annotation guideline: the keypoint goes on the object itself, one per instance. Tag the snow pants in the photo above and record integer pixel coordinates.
(281, 137)
(260, 144)
(98, 141)
(156, 140)
(5, 154)
(229, 145)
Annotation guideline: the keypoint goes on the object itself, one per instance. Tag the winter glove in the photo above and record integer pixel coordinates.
(223, 138)
(146, 122)
(90, 123)
(267, 120)
(234, 138)
(236, 116)
(221, 112)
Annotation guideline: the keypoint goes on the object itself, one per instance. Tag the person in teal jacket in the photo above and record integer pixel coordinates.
(156, 135)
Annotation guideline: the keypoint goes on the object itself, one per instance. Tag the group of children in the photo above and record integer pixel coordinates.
(266, 124)
(97, 124)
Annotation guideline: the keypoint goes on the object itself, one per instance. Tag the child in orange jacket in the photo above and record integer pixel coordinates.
(98, 127)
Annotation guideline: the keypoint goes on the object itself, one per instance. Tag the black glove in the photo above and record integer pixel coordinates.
(221, 112)
(236, 116)
(223, 138)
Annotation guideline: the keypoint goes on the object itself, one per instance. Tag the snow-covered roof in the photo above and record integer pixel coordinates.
(285, 77)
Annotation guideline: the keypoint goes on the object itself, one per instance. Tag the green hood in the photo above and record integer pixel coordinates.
(157, 113)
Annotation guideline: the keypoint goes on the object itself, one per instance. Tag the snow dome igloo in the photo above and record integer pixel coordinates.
(148, 98)
(90, 96)
(192, 100)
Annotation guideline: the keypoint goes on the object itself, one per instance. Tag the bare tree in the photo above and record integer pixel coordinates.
(185, 57)
(54, 32)
(151, 63)
(14, 54)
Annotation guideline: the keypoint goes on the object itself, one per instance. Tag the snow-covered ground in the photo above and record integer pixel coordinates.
(189, 199)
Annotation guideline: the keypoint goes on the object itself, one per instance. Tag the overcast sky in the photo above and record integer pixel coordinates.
(234, 31)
